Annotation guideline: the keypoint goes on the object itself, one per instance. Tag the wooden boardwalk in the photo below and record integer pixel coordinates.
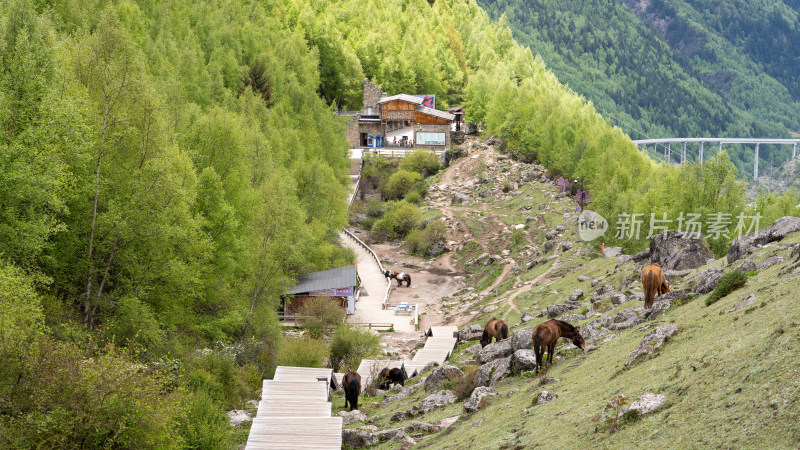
(294, 412)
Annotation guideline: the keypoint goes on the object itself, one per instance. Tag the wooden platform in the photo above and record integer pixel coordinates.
(294, 412)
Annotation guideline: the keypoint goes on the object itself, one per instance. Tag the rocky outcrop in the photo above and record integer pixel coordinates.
(554, 311)
(625, 319)
(358, 438)
(545, 397)
(652, 341)
(459, 198)
(494, 371)
(522, 338)
(744, 245)
(237, 416)
(527, 317)
(404, 392)
(576, 295)
(474, 402)
(446, 372)
(612, 252)
(524, 359)
(433, 401)
(470, 333)
(571, 317)
(618, 299)
(747, 301)
(706, 280)
(769, 262)
(494, 351)
(662, 303)
(678, 250)
(647, 403)
(349, 417)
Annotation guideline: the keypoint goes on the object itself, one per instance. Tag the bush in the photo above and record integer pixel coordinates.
(322, 315)
(216, 374)
(467, 383)
(420, 241)
(413, 197)
(727, 284)
(400, 218)
(517, 239)
(304, 352)
(350, 345)
(399, 184)
(422, 161)
(205, 424)
(374, 208)
(134, 324)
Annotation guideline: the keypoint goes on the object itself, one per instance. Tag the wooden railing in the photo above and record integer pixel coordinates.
(377, 260)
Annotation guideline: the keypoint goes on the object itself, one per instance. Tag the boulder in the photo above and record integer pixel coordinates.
(358, 438)
(678, 250)
(708, 280)
(583, 278)
(420, 427)
(237, 416)
(470, 333)
(436, 249)
(618, 299)
(394, 433)
(489, 309)
(747, 301)
(554, 311)
(612, 252)
(647, 404)
(494, 351)
(576, 295)
(572, 317)
(398, 416)
(433, 401)
(522, 338)
(549, 245)
(663, 302)
(446, 372)
(473, 349)
(404, 392)
(652, 341)
(527, 317)
(494, 371)
(551, 235)
(641, 256)
(474, 402)
(744, 245)
(636, 296)
(746, 266)
(769, 262)
(566, 245)
(623, 259)
(524, 359)
(606, 289)
(597, 281)
(459, 198)
(545, 397)
(349, 417)
(625, 319)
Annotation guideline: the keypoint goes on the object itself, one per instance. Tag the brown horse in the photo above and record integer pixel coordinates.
(546, 334)
(495, 328)
(653, 282)
(399, 276)
(351, 383)
(387, 377)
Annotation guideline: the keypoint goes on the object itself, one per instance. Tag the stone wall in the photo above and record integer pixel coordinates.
(371, 96)
(353, 132)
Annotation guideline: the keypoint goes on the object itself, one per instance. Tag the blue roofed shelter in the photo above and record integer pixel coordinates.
(341, 283)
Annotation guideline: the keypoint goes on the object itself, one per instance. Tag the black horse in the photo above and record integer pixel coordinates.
(387, 377)
(351, 383)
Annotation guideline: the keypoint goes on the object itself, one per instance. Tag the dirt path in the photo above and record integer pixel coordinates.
(542, 278)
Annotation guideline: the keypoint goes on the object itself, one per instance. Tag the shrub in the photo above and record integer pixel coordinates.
(467, 383)
(216, 374)
(350, 345)
(304, 352)
(322, 315)
(374, 208)
(517, 239)
(399, 184)
(422, 161)
(205, 425)
(399, 220)
(611, 418)
(420, 241)
(727, 284)
(413, 197)
(134, 324)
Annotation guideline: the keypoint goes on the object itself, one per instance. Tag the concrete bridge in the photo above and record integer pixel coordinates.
(757, 142)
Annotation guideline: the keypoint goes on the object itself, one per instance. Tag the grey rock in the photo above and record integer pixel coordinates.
(545, 397)
(485, 194)
(398, 416)
(747, 301)
(437, 249)
(597, 281)
(420, 427)
(494, 351)
(358, 438)
(576, 295)
(548, 245)
(474, 402)
(470, 333)
(524, 359)
(623, 259)
(560, 228)
(618, 299)
(554, 311)
(707, 280)
(459, 198)
(473, 349)
(489, 309)
(237, 416)
(636, 296)
(551, 235)
(639, 257)
(606, 290)
(566, 245)
(678, 250)
(625, 319)
(572, 317)
(404, 392)
(433, 401)
(652, 341)
(349, 417)
(769, 262)
(394, 433)
(446, 372)
(744, 245)
(746, 266)
(648, 403)
(663, 302)
(494, 371)
(527, 317)
(612, 252)
(583, 278)
(522, 338)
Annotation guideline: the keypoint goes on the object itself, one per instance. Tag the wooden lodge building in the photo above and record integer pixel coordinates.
(401, 120)
(341, 283)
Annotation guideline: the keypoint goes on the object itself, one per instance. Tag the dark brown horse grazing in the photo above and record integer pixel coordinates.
(653, 283)
(351, 383)
(387, 377)
(399, 276)
(546, 334)
(495, 328)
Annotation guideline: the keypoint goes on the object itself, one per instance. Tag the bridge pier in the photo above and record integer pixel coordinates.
(755, 165)
(668, 152)
(701, 153)
(794, 150)
(719, 150)
(683, 153)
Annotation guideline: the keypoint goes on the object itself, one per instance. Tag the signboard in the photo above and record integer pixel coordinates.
(427, 138)
(428, 100)
(341, 292)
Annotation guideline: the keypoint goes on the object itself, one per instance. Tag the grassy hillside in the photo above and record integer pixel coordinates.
(672, 69)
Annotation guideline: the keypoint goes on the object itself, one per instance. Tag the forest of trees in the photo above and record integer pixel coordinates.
(674, 69)
(167, 169)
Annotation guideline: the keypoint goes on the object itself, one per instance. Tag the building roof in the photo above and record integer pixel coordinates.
(435, 112)
(404, 97)
(341, 277)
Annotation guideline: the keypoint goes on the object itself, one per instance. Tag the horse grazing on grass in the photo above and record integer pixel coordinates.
(495, 328)
(351, 383)
(654, 283)
(546, 334)
(387, 377)
(399, 276)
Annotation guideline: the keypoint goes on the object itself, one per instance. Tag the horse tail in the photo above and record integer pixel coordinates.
(504, 330)
(649, 288)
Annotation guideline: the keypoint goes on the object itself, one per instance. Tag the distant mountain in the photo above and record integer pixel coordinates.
(669, 68)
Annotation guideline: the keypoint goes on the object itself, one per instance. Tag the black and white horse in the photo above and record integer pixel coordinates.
(399, 276)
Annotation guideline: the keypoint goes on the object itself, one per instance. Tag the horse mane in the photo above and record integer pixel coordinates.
(567, 325)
